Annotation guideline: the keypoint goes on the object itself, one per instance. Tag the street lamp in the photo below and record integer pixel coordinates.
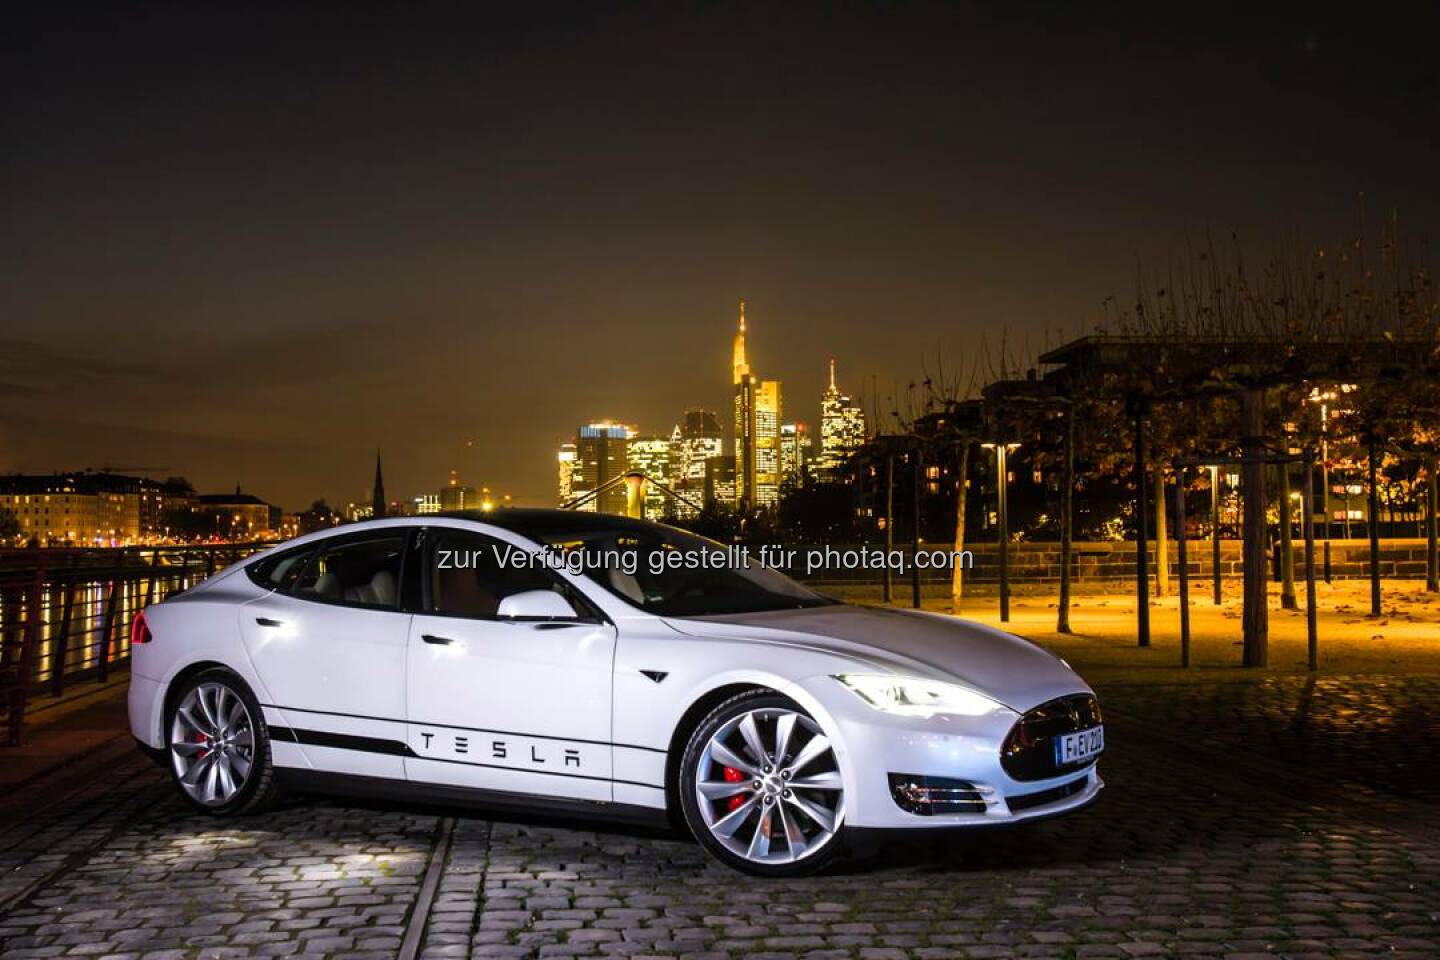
(1002, 454)
(1215, 528)
(1323, 399)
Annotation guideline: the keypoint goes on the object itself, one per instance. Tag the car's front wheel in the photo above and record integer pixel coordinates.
(219, 746)
(761, 788)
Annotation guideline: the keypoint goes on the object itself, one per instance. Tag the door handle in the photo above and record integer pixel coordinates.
(267, 622)
(431, 638)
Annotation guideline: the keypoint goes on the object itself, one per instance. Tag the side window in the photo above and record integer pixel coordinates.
(360, 573)
(467, 579)
(278, 572)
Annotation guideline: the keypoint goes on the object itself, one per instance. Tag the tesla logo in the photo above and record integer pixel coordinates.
(516, 755)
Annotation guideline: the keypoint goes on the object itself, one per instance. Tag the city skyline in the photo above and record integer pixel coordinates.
(687, 468)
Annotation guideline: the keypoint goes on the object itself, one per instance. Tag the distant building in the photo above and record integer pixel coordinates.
(795, 451)
(377, 491)
(567, 464)
(456, 496)
(695, 440)
(651, 456)
(235, 516)
(426, 504)
(601, 455)
(85, 508)
(842, 428)
(720, 480)
(757, 430)
(768, 470)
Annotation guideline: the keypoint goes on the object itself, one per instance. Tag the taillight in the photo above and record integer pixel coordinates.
(140, 630)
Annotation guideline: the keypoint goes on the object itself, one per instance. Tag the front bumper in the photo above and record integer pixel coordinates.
(873, 745)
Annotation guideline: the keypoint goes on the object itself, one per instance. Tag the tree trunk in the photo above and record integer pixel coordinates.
(1067, 523)
(885, 582)
(917, 478)
(1256, 617)
(1162, 541)
(1142, 534)
(1287, 543)
(957, 571)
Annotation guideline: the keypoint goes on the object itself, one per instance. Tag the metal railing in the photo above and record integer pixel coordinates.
(65, 613)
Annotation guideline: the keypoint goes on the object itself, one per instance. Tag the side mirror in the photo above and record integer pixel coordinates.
(536, 604)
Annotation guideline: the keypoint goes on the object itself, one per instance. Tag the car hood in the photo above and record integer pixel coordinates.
(1008, 668)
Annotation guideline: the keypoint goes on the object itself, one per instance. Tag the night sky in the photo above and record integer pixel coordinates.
(250, 247)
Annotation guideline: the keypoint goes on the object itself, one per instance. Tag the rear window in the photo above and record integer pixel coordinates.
(356, 573)
(279, 570)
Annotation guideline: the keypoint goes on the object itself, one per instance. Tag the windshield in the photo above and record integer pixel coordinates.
(674, 574)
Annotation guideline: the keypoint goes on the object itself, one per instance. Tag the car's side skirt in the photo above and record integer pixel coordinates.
(430, 771)
(300, 780)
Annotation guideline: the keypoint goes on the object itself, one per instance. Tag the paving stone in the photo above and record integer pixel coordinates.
(1260, 817)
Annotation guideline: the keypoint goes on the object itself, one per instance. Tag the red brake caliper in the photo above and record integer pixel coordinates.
(735, 776)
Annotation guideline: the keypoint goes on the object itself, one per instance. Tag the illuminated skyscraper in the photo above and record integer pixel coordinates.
(768, 473)
(720, 480)
(651, 456)
(842, 428)
(602, 454)
(696, 438)
(567, 464)
(795, 451)
(757, 430)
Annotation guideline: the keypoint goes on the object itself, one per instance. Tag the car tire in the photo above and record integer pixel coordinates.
(217, 745)
(760, 787)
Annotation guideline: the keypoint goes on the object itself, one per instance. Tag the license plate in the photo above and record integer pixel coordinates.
(1079, 747)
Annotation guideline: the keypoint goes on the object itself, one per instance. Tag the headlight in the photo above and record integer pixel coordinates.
(914, 697)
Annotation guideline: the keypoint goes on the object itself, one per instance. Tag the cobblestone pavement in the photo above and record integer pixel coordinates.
(1264, 817)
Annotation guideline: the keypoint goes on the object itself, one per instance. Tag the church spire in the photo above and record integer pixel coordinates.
(832, 374)
(377, 496)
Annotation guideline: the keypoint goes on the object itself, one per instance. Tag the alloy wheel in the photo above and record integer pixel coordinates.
(768, 786)
(212, 744)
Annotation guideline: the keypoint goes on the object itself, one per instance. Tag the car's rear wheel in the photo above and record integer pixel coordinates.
(219, 745)
(761, 788)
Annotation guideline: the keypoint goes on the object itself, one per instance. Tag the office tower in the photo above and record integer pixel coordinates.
(757, 430)
(568, 465)
(767, 444)
(696, 438)
(456, 496)
(720, 480)
(842, 428)
(602, 455)
(795, 452)
(651, 457)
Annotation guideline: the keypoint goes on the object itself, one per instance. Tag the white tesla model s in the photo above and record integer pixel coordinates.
(468, 657)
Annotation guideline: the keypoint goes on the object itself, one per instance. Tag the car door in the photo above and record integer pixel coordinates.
(499, 703)
(330, 649)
